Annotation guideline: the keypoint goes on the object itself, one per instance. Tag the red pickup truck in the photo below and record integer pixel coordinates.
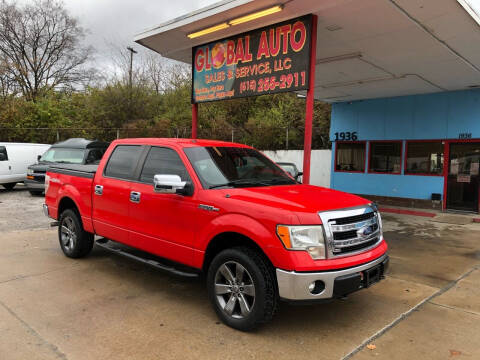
(223, 210)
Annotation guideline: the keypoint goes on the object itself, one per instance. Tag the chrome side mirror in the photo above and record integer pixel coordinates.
(168, 184)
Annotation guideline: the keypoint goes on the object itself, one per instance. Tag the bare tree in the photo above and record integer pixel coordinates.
(40, 46)
(161, 74)
(178, 74)
(6, 83)
(155, 72)
(150, 70)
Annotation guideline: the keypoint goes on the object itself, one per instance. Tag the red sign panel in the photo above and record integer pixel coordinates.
(264, 61)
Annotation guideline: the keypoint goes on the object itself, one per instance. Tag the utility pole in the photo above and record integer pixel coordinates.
(130, 81)
(131, 65)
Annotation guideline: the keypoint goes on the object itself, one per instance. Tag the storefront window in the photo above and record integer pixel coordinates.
(424, 158)
(350, 157)
(385, 157)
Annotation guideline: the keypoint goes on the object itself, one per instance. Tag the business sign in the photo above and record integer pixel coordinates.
(264, 61)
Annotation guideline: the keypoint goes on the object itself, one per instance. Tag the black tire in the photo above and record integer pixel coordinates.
(9, 186)
(35, 192)
(80, 243)
(262, 306)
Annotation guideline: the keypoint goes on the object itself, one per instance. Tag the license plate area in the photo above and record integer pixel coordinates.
(372, 275)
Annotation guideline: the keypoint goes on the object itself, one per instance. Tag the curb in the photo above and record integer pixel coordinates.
(408, 212)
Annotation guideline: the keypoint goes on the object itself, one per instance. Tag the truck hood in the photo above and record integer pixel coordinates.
(40, 167)
(297, 198)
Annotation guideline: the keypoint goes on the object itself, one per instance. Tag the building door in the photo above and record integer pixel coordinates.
(463, 180)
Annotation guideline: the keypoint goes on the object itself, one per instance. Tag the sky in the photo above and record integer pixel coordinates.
(118, 21)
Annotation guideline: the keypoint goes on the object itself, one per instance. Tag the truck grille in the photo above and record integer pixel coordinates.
(352, 230)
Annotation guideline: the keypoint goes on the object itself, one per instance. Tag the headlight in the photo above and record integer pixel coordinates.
(29, 171)
(306, 238)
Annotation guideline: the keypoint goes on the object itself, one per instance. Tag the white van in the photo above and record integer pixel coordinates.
(14, 160)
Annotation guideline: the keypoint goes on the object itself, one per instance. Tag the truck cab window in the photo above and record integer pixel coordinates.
(3, 153)
(123, 161)
(163, 161)
(94, 156)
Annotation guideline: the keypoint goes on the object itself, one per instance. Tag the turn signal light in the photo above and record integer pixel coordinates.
(284, 234)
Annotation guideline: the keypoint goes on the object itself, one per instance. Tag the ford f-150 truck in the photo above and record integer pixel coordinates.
(223, 210)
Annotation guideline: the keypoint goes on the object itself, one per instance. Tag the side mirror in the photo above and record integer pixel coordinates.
(39, 157)
(3, 157)
(298, 176)
(168, 184)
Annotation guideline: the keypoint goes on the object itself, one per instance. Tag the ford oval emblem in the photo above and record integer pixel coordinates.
(367, 230)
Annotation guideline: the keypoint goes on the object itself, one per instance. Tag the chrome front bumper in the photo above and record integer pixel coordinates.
(34, 185)
(295, 285)
(45, 210)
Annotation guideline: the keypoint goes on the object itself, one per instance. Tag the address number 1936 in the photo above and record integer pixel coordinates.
(346, 136)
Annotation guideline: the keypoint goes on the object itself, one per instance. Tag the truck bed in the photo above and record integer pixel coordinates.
(72, 176)
(87, 171)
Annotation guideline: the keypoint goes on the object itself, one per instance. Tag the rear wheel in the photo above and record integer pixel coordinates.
(74, 240)
(9, 186)
(241, 287)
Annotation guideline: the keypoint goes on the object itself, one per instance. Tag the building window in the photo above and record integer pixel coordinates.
(385, 157)
(350, 156)
(424, 157)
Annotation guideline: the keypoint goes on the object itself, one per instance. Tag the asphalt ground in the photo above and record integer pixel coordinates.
(109, 307)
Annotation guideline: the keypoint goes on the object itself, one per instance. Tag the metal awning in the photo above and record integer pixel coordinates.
(365, 48)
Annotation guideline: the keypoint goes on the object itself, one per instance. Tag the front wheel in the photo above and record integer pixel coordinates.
(9, 186)
(74, 240)
(241, 287)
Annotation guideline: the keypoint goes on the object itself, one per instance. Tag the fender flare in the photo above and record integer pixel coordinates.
(69, 191)
(243, 225)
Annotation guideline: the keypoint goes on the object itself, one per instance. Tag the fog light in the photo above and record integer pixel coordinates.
(316, 287)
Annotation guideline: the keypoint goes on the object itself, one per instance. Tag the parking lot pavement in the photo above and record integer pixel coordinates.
(109, 307)
(20, 211)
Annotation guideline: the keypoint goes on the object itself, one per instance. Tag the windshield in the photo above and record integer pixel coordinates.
(235, 167)
(62, 155)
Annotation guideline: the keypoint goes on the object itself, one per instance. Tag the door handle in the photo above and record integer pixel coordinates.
(135, 197)
(98, 189)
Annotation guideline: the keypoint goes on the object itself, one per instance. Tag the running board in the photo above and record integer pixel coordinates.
(127, 252)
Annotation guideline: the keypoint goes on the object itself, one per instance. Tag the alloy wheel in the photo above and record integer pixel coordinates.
(68, 234)
(234, 289)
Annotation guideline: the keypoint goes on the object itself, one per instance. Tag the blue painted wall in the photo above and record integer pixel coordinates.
(433, 116)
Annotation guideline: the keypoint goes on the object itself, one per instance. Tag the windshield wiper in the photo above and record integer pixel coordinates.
(240, 182)
(278, 181)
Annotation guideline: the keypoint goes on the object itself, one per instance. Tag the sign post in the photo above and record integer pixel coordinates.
(307, 144)
(194, 120)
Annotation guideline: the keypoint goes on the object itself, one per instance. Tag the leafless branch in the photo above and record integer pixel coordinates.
(40, 46)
